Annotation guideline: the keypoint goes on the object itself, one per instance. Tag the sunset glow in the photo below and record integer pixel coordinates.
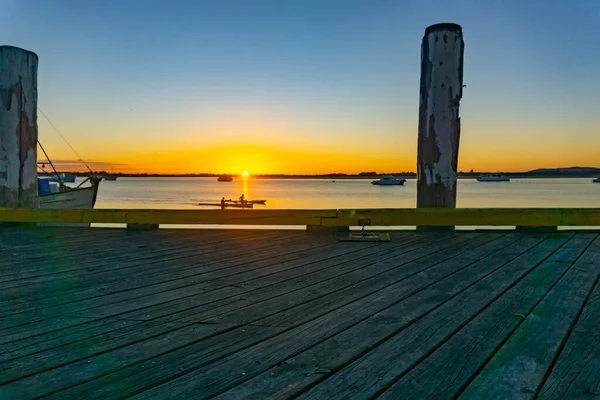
(300, 88)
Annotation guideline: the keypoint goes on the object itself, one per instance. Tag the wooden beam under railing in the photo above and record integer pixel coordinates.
(522, 217)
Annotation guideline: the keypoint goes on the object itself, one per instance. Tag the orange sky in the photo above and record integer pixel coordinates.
(269, 160)
(302, 88)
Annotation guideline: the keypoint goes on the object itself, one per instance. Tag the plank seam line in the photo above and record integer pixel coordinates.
(177, 375)
(158, 318)
(259, 253)
(483, 365)
(147, 258)
(409, 323)
(570, 330)
(188, 309)
(112, 317)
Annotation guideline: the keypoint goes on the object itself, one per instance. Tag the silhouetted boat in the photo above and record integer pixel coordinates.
(233, 205)
(225, 178)
(246, 201)
(493, 178)
(388, 180)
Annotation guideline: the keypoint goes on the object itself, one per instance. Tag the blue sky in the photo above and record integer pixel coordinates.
(133, 81)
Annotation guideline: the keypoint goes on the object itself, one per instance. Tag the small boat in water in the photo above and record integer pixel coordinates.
(110, 177)
(54, 196)
(225, 178)
(597, 180)
(246, 201)
(493, 178)
(388, 180)
(232, 205)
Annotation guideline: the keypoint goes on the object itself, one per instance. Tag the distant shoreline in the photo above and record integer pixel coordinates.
(338, 177)
(570, 172)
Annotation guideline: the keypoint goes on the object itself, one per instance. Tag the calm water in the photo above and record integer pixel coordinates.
(184, 193)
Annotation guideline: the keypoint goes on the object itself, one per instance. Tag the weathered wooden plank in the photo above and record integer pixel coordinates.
(282, 262)
(230, 370)
(576, 373)
(181, 305)
(150, 253)
(273, 286)
(112, 244)
(519, 366)
(471, 285)
(151, 247)
(376, 217)
(369, 277)
(197, 354)
(445, 373)
(29, 349)
(65, 285)
(12, 369)
(32, 386)
(142, 296)
(19, 237)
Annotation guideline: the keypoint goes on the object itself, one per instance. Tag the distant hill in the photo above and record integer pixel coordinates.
(566, 172)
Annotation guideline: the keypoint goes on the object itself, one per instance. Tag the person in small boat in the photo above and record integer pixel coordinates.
(222, 203)
(242, 199)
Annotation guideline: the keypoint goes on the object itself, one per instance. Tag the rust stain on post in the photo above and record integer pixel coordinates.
(442, 54)
(18, 128)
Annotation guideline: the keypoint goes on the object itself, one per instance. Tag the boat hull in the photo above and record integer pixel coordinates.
(597, 180)
(395, 183)
(77, 198)
(246, 202)
(233, 205)
(493, 179)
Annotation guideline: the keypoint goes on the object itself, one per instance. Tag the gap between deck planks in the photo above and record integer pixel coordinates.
(240, 332)
(217, 347)
(427, 250)
(67, 284)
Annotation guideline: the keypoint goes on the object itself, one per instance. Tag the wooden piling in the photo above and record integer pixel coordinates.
(442, 53)
(18, 128)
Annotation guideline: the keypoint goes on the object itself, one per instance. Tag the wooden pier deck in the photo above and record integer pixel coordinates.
(236, 314)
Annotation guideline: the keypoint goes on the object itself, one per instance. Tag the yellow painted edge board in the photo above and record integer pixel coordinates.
(345, 217)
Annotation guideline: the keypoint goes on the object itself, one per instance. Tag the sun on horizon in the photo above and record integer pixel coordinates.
(245, 173)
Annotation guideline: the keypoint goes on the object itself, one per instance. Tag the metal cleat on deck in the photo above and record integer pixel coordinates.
(365, 236)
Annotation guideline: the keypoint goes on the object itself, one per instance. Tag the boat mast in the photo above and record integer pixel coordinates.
(50, 162)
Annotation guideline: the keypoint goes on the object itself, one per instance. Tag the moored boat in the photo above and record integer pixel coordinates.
(246, 201)
(493, 178)
(225, 178)
(233, 205)
(597, 180)
(55, 196)
(388, 180)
